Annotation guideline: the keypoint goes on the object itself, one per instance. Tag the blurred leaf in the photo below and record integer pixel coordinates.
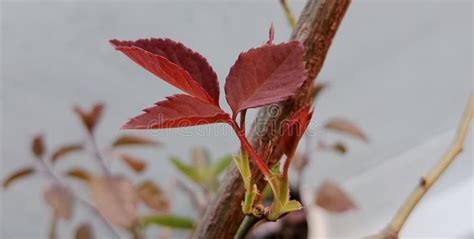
(90, 118)
(337, 147)
(37, 146)
(221, 165)
(299, 162)
(340, 148)
(168, 221)
(315, 90)
(80, 174)
(19, 174)
(347, 127)
(153, 196)
(332, 198)
(188, 171)
(60, 200)
(132, 140)
(116, 199)
(201, 160)
(84, 231)
(65, 150)
(134, 163)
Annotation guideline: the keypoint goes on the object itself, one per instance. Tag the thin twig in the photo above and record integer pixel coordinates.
(98, 155)
(289, 15)
(394, 227)
(195, 199)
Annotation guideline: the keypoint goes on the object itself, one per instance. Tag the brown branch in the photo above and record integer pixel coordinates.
(394, 227)
(316, 29)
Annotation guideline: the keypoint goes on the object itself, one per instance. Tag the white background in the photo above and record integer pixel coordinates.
(402, 70)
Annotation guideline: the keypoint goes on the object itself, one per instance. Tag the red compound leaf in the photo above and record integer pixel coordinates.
(178, 111)
(174, 63)
(265, 75)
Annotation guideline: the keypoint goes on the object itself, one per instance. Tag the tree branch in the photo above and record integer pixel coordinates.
(394, 227)
(316, 29)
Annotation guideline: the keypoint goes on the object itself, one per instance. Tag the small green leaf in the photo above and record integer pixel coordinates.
(291, 206)
(188, 171)
(172, 221)
(221, 165)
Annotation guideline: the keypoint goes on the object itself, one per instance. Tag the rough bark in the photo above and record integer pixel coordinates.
(316, 28)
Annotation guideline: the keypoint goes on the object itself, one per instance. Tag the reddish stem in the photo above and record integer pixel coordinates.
(262, 166)
(286, 167)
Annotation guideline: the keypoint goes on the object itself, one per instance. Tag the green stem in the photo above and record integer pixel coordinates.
(290, 17)
(246, 225)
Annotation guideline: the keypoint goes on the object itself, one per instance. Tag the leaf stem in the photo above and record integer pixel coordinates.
(98, 155)
(243, 113)
(394, 227)
(246, 225)
(195, 200)
(286, 167)
(262, 166)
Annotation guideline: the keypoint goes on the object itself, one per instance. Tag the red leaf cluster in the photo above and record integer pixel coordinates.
(261, 76)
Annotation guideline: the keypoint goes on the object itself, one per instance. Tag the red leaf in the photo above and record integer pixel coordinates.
(294, 130)
(265, 75)
(271, 34)
(174, 63)
(177, 111)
